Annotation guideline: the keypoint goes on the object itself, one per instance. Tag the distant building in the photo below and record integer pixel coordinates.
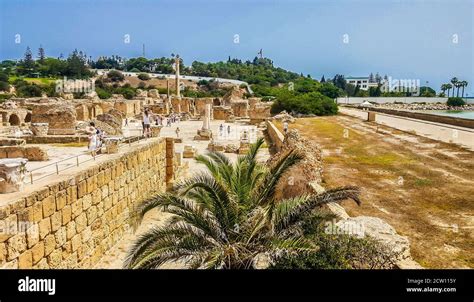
(362, 82)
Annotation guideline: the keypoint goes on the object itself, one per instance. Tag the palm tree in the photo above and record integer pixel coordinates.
(448, 87)
(454, 81)
(444, 87)
(230, 216)
(463, 84)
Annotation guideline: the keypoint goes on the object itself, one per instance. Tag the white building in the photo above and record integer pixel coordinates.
(362, 82)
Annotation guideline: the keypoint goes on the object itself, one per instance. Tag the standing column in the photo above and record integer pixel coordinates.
(178, 92)
(168, 88)
(207, 117)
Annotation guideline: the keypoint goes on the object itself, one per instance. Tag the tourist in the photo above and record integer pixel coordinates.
(285, 127)
(126, 122)
(92, 132)
(177, 132)
(146, 123)
(168, 122)
(228, 130)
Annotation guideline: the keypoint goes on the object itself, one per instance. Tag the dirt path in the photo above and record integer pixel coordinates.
(424, 188)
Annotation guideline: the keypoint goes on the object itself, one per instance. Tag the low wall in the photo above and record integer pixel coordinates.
(72, 223)
(56, 139)
(275, 136)
(455, 121)
(382, 100)
(32, 153)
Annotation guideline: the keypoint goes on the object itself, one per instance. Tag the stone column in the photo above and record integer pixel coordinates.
(168, 88)
(178, 92)
(12, 174)
(205, 132)
(207, 117)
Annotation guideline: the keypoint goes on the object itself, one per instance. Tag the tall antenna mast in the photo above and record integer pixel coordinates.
(143, 49)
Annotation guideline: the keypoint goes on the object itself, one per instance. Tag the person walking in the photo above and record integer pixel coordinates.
(146, 123)
(177, 132)
(92, 132)
(221, 130)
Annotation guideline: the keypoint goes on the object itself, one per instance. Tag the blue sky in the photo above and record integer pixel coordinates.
(406, 39)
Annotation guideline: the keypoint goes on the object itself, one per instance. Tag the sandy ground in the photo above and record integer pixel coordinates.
(114, 258)
(422, 187)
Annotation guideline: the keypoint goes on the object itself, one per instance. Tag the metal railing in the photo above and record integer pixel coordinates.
(74, 161)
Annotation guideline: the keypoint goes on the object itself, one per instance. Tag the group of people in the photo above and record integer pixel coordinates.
(96, 138)
(221, 129)
(149, 118)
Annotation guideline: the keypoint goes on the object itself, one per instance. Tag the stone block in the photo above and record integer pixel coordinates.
(56, 221)
(25, 260)
(66, 214)
(49, 206)
(37, 252)
(44, 227)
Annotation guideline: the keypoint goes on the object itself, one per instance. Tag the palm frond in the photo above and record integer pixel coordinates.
(290, 211)
(267, 188)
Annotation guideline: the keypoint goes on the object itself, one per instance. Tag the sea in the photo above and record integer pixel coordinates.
(467, 114)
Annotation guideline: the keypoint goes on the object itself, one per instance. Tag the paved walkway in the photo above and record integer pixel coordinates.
(446, 133)
(114, 258)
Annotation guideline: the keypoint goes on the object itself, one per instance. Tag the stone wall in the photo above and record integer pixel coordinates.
(56, 139)
(32, 153)
(72, 223)
(61, 118)
(129, 107)
(382, 100)
(275, 136)
(461, 122)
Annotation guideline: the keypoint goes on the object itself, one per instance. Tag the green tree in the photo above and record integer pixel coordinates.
(229, 216)
(27, 65)
(76, 65)
(115, 76)
(454, 82)
(41, 54)
(463, 84)
(427, 91)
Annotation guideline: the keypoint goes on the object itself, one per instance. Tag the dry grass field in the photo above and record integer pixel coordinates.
(423, 188)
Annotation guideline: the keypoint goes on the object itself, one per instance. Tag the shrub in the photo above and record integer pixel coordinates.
(3, 77)
(455, 102)
(144, 76)
(115, 76)
(4, 86)
(5, 96)
(338, 251)
(29, 90)
(141, 85)
(102, 93)
(308, 103)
